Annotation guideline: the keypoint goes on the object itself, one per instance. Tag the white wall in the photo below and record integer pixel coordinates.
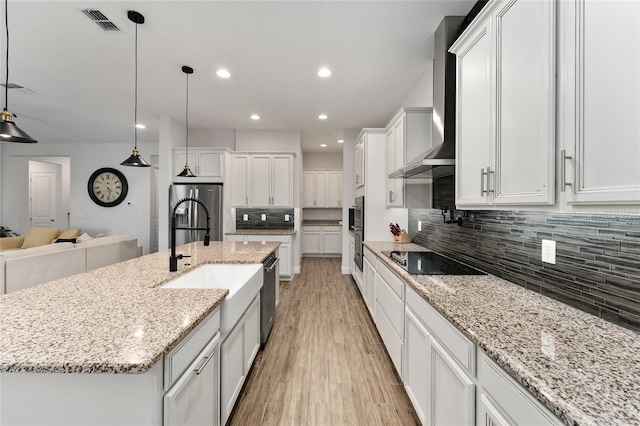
(348, 175)
(171, 133)
(218, 138)
(322, 161)
(421, 93)
(129, 218)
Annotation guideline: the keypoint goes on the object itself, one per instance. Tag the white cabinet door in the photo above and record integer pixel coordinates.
(525, 122)
(240, 180)
(180, 159)
(261, 180)
(369, 272)
(251, 333)
(473, 125)
(282, 181)
(352, 253)
(416, 367)
(210, 163)
(395, 160)
(321, 189)
(334, 192)
(311, 242)
(360, 163)
(600, 43)
(452, 392)
(285, 268)
(332, 239)
(193, 399)
(309, 189)
(232, 370)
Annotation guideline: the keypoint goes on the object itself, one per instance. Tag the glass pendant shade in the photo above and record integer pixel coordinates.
(10, 132)
(186, 172)
(135, 160)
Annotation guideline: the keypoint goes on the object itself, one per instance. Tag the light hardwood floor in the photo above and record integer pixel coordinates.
(324, 363)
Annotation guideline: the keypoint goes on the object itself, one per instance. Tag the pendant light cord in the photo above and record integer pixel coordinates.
(135, 109)
(187, 118)
(6, 81)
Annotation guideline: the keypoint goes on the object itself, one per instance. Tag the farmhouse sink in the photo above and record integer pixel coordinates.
(244, 282)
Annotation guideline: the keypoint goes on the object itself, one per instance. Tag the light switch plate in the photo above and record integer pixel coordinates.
(264, 217)
(419, 225)
(286, 218)
(549, 251)
(245, 217)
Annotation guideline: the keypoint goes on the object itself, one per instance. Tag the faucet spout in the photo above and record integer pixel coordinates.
(173, 260)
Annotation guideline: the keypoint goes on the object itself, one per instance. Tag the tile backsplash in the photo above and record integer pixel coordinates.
(275, 218)
(597, 265)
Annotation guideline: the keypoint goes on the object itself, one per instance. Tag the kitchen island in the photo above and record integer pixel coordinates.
(112, 320)
(581, 368)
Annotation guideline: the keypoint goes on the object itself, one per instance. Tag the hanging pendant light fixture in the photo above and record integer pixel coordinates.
(135, 160)
(186, 172)
(9, 131)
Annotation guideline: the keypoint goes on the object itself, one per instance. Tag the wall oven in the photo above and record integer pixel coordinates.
(358, 229)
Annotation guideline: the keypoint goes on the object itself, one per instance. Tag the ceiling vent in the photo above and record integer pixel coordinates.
(99, 18)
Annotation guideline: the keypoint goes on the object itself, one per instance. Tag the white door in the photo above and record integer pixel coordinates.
(43, 199)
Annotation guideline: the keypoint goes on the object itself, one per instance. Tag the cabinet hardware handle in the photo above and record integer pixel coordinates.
(482, 175)
(246, 198)
(206, 361)
(563, 170)
(482, 191)
(390, 196)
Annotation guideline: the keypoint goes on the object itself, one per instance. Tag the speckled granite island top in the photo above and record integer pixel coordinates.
(262, 232)
(113, 319)
(584, 369)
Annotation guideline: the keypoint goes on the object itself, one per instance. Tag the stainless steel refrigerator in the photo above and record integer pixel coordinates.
(190, 214)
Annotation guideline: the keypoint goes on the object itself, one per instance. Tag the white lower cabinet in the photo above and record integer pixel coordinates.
(237, 352)
(321, 240)
(352, 254)
(369, 273)
(389, 314)
(416, 368)
(193, 399)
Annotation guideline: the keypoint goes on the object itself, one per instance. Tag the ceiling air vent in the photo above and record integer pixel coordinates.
(99, 18)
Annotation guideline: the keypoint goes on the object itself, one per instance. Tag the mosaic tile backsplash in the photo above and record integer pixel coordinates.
(275, 218)
(597, 265)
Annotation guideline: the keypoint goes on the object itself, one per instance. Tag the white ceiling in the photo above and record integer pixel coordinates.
(83, 77)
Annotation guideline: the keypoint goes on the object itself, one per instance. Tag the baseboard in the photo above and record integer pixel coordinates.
(346, 270)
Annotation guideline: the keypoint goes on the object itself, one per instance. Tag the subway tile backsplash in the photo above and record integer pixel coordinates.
(275, 218)
(597, 265)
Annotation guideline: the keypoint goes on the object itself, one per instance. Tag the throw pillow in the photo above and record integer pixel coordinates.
(70, 233)
(65, 240)
(84, 237)
(39, 236)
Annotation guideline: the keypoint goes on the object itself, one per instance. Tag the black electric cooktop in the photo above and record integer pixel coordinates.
(429, 263)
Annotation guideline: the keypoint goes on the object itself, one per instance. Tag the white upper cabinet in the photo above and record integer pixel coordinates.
(360, 163)
(600, 102)
(206, 163)
(395, 160)
(262, 180)
(322, 188)
(506, 106)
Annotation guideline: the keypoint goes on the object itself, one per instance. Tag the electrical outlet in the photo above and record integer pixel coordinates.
(549, 251)
(419, 225)
(286, 218)
(264, 217)
(245, 217)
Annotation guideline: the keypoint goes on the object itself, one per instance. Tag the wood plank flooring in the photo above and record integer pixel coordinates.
(324, 363)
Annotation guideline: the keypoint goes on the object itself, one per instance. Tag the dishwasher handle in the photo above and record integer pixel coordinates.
(271, 265)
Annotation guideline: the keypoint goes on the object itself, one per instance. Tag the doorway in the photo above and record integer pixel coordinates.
(47, 206)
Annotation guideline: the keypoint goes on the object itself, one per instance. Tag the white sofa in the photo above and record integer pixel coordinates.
(20, 269)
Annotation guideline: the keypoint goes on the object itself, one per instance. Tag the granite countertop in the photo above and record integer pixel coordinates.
(584, 369)
(262, 232)
(321, 223)
(113, 319)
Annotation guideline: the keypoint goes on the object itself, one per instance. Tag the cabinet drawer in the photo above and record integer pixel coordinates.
(392, 305)
(370, 257)
(311, 228)
(392, 279)
(332, 228)
(459, 346)
(509, 397)
(176, 361)
(392, 342)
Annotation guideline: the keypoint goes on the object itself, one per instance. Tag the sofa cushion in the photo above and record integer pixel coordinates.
(36, 250)
(69, 233)
(103, 240)
(11, 243)
(39, 236)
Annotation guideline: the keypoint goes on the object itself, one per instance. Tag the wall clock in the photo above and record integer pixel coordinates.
(107, 187)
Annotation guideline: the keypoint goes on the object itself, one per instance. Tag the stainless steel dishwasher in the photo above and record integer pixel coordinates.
(268, 296)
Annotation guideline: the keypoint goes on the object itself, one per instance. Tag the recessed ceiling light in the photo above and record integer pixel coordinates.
(324, 145)
(255, 117)
(340, 141)
(324, 72)
(222, 73)
(141, 126)
(322, 116)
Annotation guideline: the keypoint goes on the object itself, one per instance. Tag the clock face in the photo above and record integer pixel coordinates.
(107, 187)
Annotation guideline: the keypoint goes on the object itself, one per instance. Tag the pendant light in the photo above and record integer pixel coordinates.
(135, 160)
(187, 170)
(9, 131)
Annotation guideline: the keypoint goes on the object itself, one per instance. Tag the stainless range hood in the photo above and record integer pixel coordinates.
(439, 161)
